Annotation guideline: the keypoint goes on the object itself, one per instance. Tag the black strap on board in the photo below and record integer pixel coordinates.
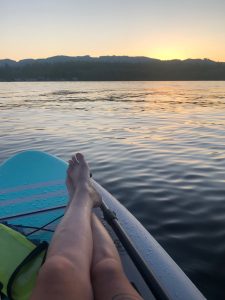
(149, 278)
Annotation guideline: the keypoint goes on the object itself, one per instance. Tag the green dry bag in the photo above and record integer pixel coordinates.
(20, 261)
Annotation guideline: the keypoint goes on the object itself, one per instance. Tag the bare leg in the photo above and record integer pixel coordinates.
(108, 279)
(66, 271)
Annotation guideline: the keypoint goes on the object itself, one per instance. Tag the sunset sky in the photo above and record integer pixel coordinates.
(155, 28)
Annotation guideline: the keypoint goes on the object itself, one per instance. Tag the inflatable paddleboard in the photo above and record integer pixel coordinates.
(33, 197)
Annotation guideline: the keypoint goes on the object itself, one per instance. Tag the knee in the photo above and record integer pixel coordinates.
(58, 276)
(107, 269)
(56, 268)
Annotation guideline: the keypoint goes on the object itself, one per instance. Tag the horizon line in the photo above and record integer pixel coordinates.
(113, 55)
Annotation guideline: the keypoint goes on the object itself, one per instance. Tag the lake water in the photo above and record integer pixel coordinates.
(159, 147)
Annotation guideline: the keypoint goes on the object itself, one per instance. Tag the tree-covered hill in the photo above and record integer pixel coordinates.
(109, 68)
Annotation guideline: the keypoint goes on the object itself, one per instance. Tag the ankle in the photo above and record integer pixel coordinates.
(82, 197)
(83, 186)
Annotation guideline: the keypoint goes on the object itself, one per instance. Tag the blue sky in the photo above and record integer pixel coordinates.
(160, 28)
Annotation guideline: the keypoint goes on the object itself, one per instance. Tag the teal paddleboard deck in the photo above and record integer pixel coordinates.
(33, 197)
(31, 184)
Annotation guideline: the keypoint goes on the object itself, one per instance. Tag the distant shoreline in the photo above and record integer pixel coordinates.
(110, 68)
(111, 58)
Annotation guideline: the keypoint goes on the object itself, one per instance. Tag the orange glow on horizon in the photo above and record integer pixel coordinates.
(162, 55)
(168, 54)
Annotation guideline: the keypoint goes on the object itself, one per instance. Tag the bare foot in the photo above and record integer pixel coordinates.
(69, 183)
(78, 177)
